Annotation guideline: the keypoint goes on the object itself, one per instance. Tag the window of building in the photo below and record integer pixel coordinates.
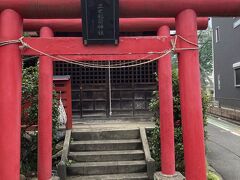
(236, 68)
(237, 77)
(236, 22)
(219, 82)
(217, 35)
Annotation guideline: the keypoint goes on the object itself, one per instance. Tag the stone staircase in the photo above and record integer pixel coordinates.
(109, 154)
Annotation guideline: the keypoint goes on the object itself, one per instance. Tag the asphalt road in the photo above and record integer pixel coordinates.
(223, 148)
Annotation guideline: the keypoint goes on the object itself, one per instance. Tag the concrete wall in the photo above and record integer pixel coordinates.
(230, 114)
(226, 53)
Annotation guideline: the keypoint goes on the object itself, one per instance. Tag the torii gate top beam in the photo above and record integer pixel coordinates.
(126, 24)
(128, 8)
(128, 46)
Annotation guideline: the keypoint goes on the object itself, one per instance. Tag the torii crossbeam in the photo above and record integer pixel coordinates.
(128, 8)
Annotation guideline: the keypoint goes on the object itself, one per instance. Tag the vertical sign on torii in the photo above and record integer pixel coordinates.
(100, 20)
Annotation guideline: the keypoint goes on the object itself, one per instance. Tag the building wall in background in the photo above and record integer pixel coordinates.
(226, 43)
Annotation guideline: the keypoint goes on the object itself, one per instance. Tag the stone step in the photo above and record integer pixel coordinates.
(105, 134)
(103, 168)
(130, 176)
(106, 145)
(98, 156)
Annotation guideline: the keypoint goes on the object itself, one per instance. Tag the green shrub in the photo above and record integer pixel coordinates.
(30, 118)
(154, 140)
(212, 176)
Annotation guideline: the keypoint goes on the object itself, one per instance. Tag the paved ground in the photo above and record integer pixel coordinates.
(223, 148)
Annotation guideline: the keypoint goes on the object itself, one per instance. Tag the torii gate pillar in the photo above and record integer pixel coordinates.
(45, 113)
(11, 27)
(190, 97)
(166, 108)
(166, 114)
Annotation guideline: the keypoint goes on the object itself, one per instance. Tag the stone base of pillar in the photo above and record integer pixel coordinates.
(176, 176)
(55, 178)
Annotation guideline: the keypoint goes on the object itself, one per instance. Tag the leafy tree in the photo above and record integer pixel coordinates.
(205, 56)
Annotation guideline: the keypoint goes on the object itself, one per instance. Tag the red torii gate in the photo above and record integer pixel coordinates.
(136, 45)
(189, 75)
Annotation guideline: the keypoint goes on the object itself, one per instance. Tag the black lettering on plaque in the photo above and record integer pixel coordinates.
(100, 21)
